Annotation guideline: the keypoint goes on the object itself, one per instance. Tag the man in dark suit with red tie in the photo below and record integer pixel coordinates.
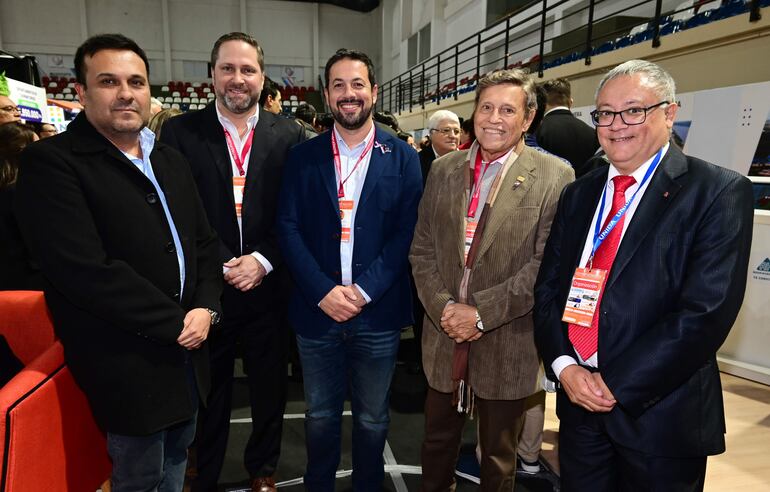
(637, 292)
(236, 151)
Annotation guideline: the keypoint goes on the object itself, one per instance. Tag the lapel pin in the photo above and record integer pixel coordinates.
(519, 180)
(383, 148)
(665, 194)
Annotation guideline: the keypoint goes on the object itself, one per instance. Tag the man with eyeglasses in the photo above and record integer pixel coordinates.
(444, 130)
(642, 277)
(483, 223)
(9, 112)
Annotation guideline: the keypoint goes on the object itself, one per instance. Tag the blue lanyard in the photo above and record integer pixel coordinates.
(600, 237)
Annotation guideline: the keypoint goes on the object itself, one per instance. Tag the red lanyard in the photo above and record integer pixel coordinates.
(338, 164)
(239, 159)
(478, 175)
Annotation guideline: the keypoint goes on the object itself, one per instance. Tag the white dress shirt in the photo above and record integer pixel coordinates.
(563, 361)
(353, 187)
(239, 143)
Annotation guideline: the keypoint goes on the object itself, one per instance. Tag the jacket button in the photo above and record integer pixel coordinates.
(170, 247)
(151, 198)
(175, 295)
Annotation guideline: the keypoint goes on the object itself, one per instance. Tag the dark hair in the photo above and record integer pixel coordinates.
(467, 126)
(404, 136)
(558, 92)
(102, 42)
(387, 118)
(540, 111)
(237, 36)
(305, 112)
(325, 120)
(269, 89)
(13, 138)
(343, 53)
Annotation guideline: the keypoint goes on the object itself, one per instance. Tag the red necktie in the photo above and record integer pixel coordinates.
(585, 340)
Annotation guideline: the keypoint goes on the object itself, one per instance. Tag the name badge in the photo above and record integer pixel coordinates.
(584, 295)
(346, 219)
(239, 184)
(470, 232)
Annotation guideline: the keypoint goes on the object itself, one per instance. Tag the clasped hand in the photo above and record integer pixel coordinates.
(458, 321)
(245, 272)
(342, 303)
(587, 389)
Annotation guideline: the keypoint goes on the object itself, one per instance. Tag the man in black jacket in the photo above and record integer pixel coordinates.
(236, 150)
(130, 264)
(561, 133)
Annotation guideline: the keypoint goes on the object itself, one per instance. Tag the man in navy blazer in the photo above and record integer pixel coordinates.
(346, 216)
(642, 408)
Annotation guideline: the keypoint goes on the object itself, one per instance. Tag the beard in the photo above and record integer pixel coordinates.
(352, 121)
(239, 104)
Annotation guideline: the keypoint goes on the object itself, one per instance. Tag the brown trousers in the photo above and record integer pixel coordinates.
(499, 426)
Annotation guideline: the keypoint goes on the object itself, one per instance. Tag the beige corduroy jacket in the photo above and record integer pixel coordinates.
(503, 363)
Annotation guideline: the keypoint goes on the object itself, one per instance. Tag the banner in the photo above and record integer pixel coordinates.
(30, 100)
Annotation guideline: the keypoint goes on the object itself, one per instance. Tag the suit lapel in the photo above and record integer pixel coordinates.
(659, 194)
(512, 191)
(377, 163)
(458, 204)
(215, 141)
(260, 147)
(326, 168)
(581, 224)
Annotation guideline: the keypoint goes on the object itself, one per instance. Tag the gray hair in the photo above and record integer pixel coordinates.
(441, 115)
(658, 79)
(513, 76)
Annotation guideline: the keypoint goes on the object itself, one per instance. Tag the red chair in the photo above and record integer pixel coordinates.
(50, 440)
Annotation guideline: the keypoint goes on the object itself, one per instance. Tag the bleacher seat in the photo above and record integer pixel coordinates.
(210, 95)
(186, 100)
(165, 89)
(177, 99)
(206, 90)
(49, 95)
(166, 106)
(59, 96)
(684, 11)
(175, 106)
(176, 94)
(194, 100)
(68, 97)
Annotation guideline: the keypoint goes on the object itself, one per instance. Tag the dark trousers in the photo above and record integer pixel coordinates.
(264, 344)
(350, 358)
(499, 425)
(589, 460)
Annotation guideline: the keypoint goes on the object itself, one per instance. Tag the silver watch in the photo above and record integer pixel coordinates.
(214, 316)
(479, 324)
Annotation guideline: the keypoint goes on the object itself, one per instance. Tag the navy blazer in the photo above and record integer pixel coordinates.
(309, 229)
(672, 296)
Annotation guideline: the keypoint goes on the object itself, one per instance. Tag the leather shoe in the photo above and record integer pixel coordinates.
(263, 484)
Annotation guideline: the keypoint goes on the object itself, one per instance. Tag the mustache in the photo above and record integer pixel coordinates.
(121, 107)
(349, 100)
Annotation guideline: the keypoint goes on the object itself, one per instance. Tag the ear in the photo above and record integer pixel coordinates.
(80, 89)
(670, 113)
(375, 88)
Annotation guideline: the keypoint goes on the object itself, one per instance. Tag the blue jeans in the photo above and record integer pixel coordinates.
(156, 462)
(349, 357)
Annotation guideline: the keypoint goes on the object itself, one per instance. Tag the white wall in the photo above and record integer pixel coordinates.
(179, 42)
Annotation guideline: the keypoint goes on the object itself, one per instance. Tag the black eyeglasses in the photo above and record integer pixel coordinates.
(630, 116)
(10, 109)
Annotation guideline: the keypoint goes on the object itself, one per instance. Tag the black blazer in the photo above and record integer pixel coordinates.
(201, 139)
(562, 134)
(95, 225)
(427, 156)
(672, 296)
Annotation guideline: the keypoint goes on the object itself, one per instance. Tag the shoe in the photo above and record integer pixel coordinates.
(263, 484)
(529, 468)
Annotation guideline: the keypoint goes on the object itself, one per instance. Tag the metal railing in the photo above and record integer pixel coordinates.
(533, 38)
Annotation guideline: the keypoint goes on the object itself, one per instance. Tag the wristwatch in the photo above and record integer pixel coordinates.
(214, 316)
(479, 324)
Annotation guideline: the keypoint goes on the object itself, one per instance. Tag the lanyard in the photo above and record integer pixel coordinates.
(600, 237)
(239, 159)
(338, 164)
(478, 174)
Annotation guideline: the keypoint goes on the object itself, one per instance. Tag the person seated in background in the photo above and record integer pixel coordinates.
(467, 135)
(270, 98)
(444, 130)
(323, 122)
(45, 130)
(408, 138)
(387, 121)
(9, 112)
(155, 106)
(15, 271)
(305, 115)
(157, 120)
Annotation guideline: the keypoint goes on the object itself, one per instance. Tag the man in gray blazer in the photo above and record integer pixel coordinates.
(483, 222)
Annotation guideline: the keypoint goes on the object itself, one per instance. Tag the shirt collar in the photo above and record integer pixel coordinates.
(146, 143)
(641, 170)
(557, 108)
(342, 145)
(251, 122)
